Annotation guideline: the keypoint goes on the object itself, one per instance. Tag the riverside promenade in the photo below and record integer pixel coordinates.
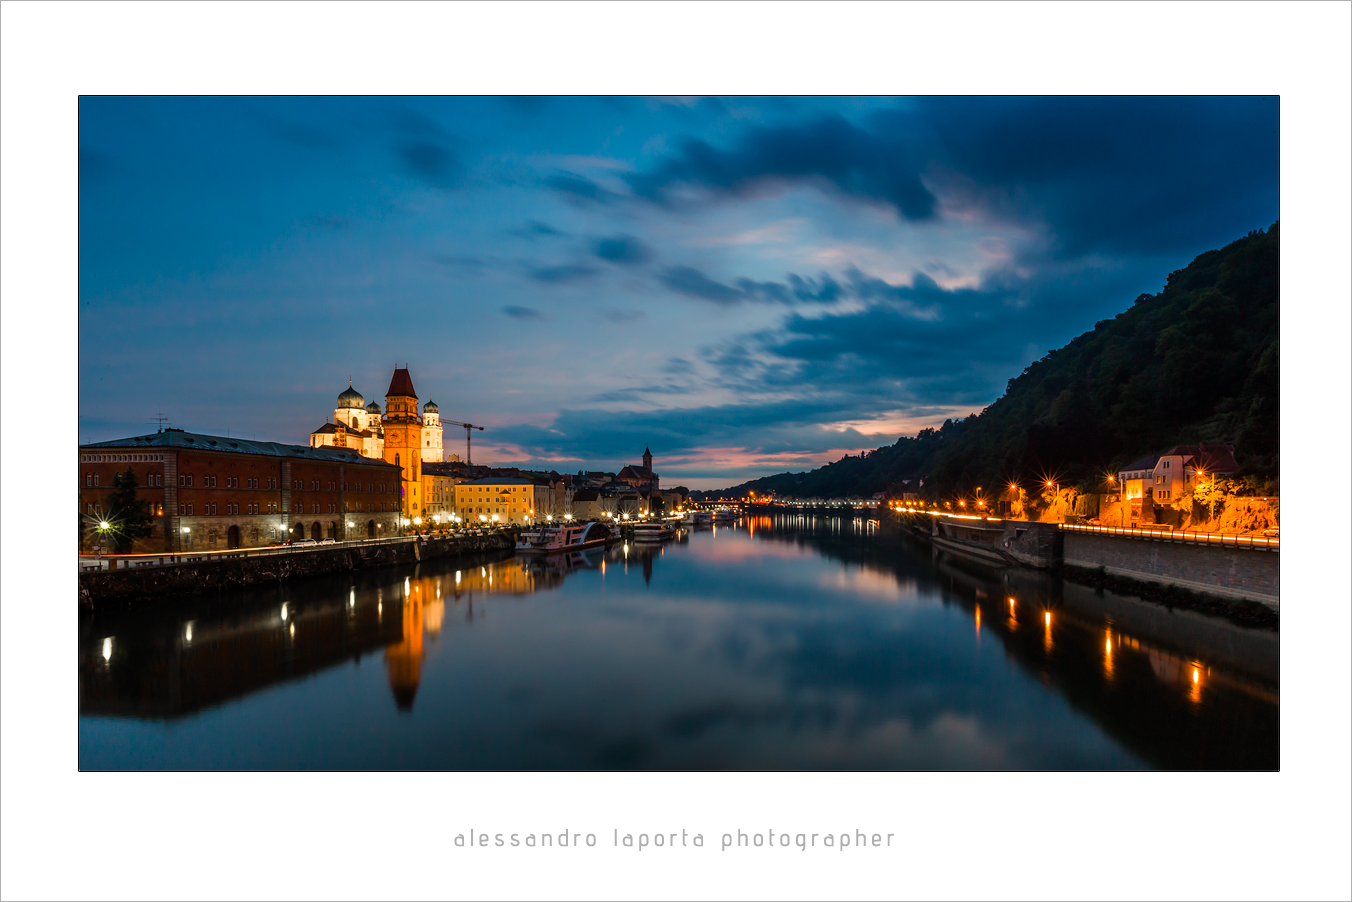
(1245, 568)
(142, 578)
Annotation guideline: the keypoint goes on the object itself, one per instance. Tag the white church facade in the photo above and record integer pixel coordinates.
(359, 426)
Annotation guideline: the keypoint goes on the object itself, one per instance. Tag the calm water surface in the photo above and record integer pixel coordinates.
(779, 643)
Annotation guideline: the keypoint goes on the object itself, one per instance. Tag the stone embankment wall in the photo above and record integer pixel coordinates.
(1229, 572)
(119, 587)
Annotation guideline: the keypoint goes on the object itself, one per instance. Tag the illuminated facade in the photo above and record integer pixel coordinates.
(360, 427)
(508, 499)
(213, 492)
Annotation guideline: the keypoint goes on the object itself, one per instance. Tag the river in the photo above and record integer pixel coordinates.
(778, 643)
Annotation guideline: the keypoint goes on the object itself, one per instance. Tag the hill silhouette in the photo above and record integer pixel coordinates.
(1198, 361)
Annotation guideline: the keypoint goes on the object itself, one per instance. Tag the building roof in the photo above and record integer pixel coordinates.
(220, 444)
(1212, 458)
(373, 407)
(1145, 463)
(401, 384)
(635, 472)
(501, 480)
(431, 407)
(350, 397)
(589, 495)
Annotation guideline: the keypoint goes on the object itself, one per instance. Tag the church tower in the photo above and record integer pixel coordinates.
(647, 458)
(403, 439)
(431, 447)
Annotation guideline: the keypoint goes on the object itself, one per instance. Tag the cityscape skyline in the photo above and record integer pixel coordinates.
(747, 286)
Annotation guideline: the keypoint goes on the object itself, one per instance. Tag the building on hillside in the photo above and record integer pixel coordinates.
(502, 499)
(640, 477)
(361, 428)
(1134, 480)
(1178, 469)
(215, 492)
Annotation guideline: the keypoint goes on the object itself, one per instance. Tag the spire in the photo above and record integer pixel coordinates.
(401, 384)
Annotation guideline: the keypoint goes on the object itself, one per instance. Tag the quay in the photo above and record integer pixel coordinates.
(141, 578)
(1241, 568)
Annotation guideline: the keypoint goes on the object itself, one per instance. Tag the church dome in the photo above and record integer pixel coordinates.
(351, 398)
(373, 407)
(431, 407)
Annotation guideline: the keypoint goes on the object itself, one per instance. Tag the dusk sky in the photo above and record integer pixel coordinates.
(746, 286)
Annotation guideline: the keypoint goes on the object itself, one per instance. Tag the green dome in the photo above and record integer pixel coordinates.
(431, 407)
(351, 398)
(373, 407)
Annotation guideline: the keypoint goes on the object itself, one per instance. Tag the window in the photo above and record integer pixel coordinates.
(96, 479)
(190, 509)
(89, 480)
(190, 479)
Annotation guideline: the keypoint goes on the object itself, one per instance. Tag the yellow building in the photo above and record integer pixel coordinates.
(438, 483)
(404, 440)
(509, 499)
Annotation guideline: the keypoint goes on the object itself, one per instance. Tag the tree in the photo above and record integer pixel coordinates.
(129, 515)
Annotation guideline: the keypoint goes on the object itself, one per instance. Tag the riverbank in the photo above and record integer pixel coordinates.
(120, 588)
(1241, 583)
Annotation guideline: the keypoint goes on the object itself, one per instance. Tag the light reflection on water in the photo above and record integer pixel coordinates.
(762, 645)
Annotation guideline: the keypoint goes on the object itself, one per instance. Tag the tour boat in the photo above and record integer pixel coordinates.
(552, 539)
(653, 530)
(697, 518)
(725, 513)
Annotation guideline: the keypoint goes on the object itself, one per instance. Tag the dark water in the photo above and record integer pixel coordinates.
(781, 643)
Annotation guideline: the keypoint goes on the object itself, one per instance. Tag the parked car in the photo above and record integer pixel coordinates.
(328, 541)
(304, 542)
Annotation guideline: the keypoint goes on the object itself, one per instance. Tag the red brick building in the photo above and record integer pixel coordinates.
(213, 492)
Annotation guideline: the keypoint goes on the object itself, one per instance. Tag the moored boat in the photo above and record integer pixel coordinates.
(653, 530)
(552, 539)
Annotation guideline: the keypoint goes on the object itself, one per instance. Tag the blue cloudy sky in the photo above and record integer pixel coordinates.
(745, 285)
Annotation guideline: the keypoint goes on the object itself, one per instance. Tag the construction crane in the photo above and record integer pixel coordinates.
(468, 426)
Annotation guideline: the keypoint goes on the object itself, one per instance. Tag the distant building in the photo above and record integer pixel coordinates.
(587, 505)
(640, 477)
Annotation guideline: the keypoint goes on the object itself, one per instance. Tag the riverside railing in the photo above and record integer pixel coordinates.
(1189, 538)
(167, 559)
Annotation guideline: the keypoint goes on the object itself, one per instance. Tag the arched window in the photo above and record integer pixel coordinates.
(396, 460)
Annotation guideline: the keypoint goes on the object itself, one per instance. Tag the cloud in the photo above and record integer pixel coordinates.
(523, 312)
(624, 317)
(625, 250)
(535, 229)
(829, 152)
(691, 282)
(678, 366)
(563, 274)
(433, 162)
(579, 189)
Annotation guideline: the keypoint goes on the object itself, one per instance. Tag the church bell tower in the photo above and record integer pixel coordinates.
(403, 439)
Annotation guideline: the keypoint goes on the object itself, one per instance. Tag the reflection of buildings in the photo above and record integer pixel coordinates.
(154, 667)
(404, 659)
(145, 664)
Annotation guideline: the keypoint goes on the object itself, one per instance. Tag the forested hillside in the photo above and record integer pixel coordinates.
(1196, 362)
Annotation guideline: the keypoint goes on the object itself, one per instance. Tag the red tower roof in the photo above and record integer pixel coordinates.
(401, 384)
